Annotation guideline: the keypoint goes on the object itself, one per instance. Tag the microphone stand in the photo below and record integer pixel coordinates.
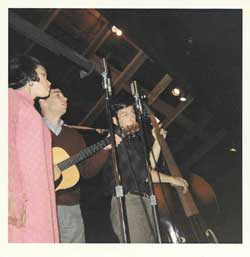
(139, 114)
(118, 188)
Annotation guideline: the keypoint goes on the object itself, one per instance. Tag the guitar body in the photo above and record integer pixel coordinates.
(66, 163)
(71, 175)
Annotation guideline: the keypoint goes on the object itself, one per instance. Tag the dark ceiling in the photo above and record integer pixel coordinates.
(200, 49)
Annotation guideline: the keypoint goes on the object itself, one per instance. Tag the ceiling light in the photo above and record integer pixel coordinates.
(183, 99)
(176, 91)
(232, 149)
(114, 29)
(118, 32)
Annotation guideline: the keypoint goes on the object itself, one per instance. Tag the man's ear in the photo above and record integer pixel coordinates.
(115, 121)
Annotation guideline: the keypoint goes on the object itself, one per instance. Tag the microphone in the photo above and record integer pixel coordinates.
(106, 80)
(135, 94)
(141, 105)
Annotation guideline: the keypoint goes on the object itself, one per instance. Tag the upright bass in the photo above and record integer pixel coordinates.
(198, 231)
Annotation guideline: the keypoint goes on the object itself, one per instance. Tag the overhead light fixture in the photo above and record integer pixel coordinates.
(117, 31)
(183, 99)
(114, 29)
(176, 91)
(234, 144)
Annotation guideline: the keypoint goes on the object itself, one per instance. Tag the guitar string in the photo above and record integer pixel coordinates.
(85, 153)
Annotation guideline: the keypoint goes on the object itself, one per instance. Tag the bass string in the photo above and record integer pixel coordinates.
(197, 229)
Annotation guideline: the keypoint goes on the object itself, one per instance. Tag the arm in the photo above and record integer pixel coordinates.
(16, 190)
(92, 166)
(158, 177)
(154, 154)
(156, 149)
(174, 181)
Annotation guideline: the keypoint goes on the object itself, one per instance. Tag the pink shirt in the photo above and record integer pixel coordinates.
(31, 183)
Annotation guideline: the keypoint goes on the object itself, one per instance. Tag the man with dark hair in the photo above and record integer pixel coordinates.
(32, 208)
(71, 224)
(132, 168)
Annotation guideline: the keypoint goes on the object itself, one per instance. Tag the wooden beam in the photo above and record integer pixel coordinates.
(40, 37)
(126, 38)
(210, 142)
(43, 26)
(158, 105)
(94, 45)
(99, 39)
(30, 31)
(159, 88)
(184, 122)
(167, 110)
(118, 84)
(178, 110)
(197, 130)
(129, 71)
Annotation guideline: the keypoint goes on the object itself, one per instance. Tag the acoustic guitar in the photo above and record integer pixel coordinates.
(67, 164)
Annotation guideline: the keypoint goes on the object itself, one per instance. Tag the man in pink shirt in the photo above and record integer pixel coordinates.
(32, 209)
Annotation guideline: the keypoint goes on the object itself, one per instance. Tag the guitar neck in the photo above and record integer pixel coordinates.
(83, 154)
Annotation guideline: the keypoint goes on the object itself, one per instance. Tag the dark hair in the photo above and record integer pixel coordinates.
(122, 101)
(22, 70)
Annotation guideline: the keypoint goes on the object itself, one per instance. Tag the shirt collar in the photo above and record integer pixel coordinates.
(56, 129)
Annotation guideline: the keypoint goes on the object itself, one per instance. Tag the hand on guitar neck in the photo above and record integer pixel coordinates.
(66, 165)
(118, 140)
